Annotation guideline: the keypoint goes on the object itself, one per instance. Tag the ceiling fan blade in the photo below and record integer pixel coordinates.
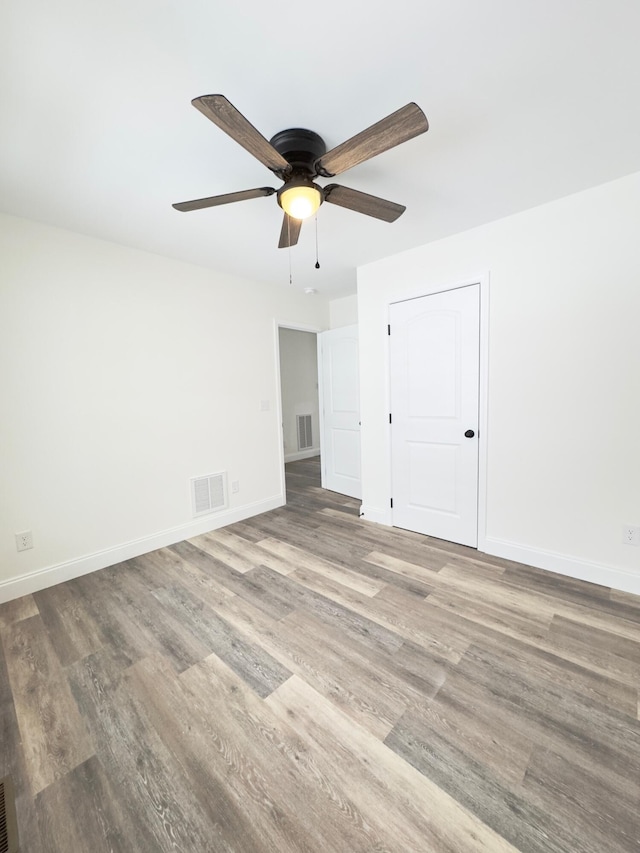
(370, 205)
(289, 232)
(227, 198)
(404, 124)
(222, 113)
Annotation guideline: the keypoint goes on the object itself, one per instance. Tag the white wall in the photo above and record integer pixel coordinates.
(343, 312)
(123, 374)
(563, 461)
(299, 389)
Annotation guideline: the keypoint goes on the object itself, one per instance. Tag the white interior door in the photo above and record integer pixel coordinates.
(340, 404)
(435, 371)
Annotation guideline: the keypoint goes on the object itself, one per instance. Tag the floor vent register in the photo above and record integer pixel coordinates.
(8, 822)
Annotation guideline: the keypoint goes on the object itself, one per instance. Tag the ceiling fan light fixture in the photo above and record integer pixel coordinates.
(300, 199)
(297, 155)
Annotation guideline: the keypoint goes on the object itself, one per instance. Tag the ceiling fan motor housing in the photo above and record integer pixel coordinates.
(301, 148)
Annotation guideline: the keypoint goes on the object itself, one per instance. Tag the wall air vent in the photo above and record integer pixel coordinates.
(208, 494)
(305, 439)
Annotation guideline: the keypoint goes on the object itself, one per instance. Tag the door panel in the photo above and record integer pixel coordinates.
(339, 368)
(432, 476)
(434, 358)
(346, 453)
(432, 364)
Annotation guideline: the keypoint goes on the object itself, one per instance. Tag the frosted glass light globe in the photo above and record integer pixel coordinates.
(300, 202)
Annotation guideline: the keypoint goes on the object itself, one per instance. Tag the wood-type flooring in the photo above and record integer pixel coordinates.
(308, 681)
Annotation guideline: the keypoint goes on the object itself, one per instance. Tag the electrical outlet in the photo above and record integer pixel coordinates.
(235, 486)
(631, 534)
(24, 540)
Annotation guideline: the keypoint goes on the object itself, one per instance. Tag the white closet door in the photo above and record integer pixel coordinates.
(435, 363)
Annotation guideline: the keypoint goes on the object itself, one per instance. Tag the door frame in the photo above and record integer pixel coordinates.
(276, 333)
(483, 401)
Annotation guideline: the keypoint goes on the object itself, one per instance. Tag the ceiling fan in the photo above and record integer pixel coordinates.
(298, 156)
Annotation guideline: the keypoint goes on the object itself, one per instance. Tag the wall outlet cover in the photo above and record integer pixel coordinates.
(24, 540)
(631, 534)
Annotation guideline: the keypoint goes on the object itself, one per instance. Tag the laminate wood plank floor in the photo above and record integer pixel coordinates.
(308, 682)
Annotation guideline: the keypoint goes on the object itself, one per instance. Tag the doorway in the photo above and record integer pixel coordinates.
(300, 408)
(320, 404)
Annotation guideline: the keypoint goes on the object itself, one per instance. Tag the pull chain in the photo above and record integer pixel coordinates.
(317, 261)
(289, 242)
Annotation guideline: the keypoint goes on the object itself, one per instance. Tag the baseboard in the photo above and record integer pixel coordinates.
(43, 578)
(572, 567)
(562, 564)
(302, 454)
(378, 516)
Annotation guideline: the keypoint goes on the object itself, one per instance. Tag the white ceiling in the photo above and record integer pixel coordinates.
(528, 100)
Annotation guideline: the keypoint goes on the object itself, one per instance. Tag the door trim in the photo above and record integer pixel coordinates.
(483, 408)
(323, 478)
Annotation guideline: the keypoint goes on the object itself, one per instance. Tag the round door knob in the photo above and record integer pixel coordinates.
(469, 433)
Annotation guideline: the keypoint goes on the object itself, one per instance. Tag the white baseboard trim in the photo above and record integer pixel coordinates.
(302, 454)
(43, 578)
(377, 515)
(573, 567)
